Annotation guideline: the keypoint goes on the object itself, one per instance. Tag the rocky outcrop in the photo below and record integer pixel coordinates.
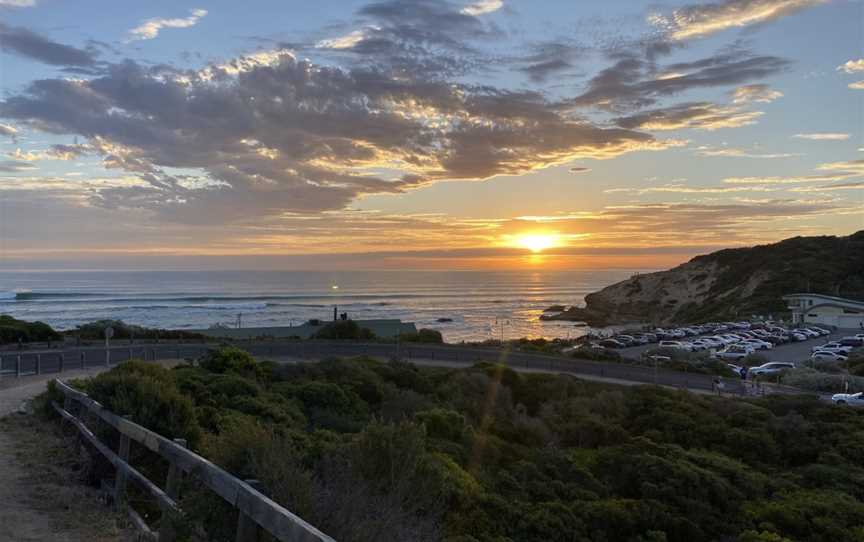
(731, 283)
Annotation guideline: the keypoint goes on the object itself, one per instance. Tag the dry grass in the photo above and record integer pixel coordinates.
(42, 487)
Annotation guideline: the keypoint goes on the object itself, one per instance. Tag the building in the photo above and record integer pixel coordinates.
(826, 310)
(381, 328)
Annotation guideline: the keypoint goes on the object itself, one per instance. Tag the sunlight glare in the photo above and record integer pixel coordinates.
(537, 242)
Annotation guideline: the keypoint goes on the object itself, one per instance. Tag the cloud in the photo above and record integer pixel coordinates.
(634, 83)
(852, 66)
(755, 93)
(17, 3)
(482, 7)
(733, 152)
(687, 189)
(150, 28)
(695, 115)
(285, 135)
(836, 171)
(549, 57)
(10, 166)
(857, 85)
(700, 20)
(8, 131)
(831, 187)
(823, 136)
(578, 169)
(26, 43)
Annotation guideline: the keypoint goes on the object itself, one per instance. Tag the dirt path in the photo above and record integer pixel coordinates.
(14, 391)
(42, 497)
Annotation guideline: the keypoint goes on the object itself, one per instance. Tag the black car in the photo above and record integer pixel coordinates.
(851, 341)
(611, 343)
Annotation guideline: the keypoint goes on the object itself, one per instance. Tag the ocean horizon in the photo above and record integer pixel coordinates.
(480, 304)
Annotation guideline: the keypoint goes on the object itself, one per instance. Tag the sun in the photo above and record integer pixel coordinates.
(537, 242)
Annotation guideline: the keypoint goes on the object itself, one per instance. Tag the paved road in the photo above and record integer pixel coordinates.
(32, 362)
(793, 352)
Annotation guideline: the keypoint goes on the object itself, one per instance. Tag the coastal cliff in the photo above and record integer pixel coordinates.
(730, 283)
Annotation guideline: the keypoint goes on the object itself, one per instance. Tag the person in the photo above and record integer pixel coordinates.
(715, 385)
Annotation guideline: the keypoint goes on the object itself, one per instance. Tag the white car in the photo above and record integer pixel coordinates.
(734, 352)
(832, 347)
(771, 368)
(758, 344)
(808, 332)
(823, 355)
(851, 399)
(674, 344)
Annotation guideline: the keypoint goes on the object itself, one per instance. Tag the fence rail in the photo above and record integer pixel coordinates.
(47, 362)
(254, 508)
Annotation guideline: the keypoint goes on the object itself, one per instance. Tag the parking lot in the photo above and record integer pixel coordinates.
(792, 352)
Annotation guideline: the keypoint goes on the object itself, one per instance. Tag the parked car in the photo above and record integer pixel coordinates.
(851, 399)
(612, 343)
(798, 337)
(771, 368)
(734, 352)
(833, 346)
(824, 355)
(758, 344)
(852, 341)
(680, 345)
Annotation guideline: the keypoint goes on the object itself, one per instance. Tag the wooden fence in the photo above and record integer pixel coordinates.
(255, 510)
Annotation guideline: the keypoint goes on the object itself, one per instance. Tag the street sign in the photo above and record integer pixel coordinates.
(109, 332)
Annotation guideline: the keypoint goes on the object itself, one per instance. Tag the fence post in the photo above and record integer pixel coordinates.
(172, 489)
(38, 364)
(18, 366)
(130, 353)
(247, 529)
(62, 360)
(120, 483)
(83, 355)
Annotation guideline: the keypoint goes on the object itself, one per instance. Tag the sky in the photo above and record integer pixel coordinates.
(428, 134)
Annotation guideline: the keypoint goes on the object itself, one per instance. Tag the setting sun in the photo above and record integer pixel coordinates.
(537, 242)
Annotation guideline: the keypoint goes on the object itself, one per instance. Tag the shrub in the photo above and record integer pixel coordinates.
(596, 354)
(813, 380)
(344, 330)
(429, 336)
(94, 331)
(230, 360)
(149, 396)
(11, 330)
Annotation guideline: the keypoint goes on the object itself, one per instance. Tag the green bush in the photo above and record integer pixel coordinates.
(230, 360)
(148, 394)
(344, 330)
(813, 380)
(95, 331)
(429, 336)
(12, 330)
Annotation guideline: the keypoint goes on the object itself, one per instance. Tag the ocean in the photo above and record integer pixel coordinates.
(481, 304)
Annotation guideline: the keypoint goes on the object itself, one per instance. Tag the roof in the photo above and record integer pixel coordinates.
(829, 300)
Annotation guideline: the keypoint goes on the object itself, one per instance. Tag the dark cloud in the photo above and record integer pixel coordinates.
(412, 38)
(696, 115)
(272, 134)
(577, 169)
(12, 166)
(633, 83)
(27, 43)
